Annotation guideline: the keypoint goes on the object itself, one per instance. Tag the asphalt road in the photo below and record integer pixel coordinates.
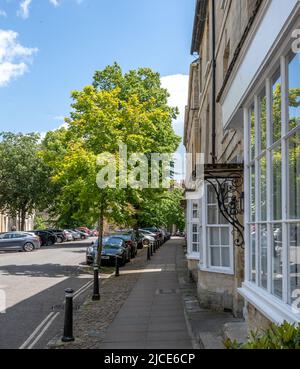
(34, 285)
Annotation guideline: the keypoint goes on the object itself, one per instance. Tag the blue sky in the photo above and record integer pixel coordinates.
(50, 47)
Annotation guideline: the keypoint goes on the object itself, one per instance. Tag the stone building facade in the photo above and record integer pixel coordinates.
(239, 115)
(7, 222)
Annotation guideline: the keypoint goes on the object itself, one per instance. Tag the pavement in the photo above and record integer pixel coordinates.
(153, 315)
(34, 285)
(152, 305)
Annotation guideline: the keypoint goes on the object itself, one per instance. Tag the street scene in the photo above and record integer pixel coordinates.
(150, 177)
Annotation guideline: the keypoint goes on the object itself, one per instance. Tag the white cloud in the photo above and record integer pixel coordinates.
(24, 9)
(177, 85)
(55, 2)
(3, 13)
(14, 58)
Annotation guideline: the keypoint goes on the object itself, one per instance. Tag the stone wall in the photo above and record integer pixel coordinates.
(256, 321)
(215, 291)
(193, 269)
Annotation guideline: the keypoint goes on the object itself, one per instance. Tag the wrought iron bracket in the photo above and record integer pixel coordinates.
(227, 181)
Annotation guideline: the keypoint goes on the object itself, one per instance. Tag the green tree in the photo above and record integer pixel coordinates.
(118, 109)
(24, 178)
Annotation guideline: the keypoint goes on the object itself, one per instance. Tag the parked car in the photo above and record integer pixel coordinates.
(155, 235)
(157, 232)
(112, 247)
(130, 239)
(83, 235)
(47, 238)
(85, 230)
(68, 235)
(94, 233)
(147, 239)
(60, 237)
(19, 241)
(76, 236)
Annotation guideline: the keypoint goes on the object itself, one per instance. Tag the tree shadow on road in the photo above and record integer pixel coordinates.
(45, 270)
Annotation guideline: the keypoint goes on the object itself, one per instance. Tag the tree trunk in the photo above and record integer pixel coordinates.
(22, 220)
(100, 236)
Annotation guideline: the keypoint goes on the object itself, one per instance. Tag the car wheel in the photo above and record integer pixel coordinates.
(59, 239)
(28, 247)
(50, 243)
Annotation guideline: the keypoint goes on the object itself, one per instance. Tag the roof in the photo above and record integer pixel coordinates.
(199, 24)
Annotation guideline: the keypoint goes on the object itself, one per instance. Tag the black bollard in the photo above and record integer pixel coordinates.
(148, 253)
(96, 292)
(151, 248)
(68, 325)
(117, 273)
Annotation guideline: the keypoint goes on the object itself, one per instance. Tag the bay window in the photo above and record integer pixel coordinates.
(209, 234)
(272, 160)
(194, 228)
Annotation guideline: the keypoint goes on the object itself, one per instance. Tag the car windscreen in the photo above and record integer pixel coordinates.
(152, 230)
(111, 246)
(125, 237)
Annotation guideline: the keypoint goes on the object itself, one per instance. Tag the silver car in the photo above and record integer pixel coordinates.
(21, 241)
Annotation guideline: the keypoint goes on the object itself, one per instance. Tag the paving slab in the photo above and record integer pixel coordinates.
(156, 297)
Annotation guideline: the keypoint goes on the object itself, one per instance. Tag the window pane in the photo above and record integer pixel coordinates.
(215, 256)
(277, 261)
(294, 92)
(276, 108)
(263, 188)
(222, 219)
(252, 133)
(294, 176)
(211, 195)
(294, 243)
(195, 247)
(225, 236)
(214, 236)
(225, 251)
(252, 194)
(195, 211)
(276, 183)
(212, 214)
(263, 122)
(253, 253)
(263, 256)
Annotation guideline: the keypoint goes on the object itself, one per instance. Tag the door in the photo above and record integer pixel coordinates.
(7, 242)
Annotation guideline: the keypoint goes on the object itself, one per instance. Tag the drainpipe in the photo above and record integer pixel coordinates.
(213, 153)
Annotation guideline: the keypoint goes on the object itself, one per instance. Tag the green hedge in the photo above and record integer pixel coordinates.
(285, 336)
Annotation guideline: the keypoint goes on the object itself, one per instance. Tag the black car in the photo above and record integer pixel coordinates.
(60, 236)
(130, 239)
(47, 238)
(112, 247)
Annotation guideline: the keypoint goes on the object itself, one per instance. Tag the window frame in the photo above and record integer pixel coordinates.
(206, 265)
(286, 133)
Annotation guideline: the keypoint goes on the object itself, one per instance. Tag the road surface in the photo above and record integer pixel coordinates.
(33, 285)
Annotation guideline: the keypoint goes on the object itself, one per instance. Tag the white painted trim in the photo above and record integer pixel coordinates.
(271, 307)
(216, 270)
(246, 191)
(257, 190)
(192, 257)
